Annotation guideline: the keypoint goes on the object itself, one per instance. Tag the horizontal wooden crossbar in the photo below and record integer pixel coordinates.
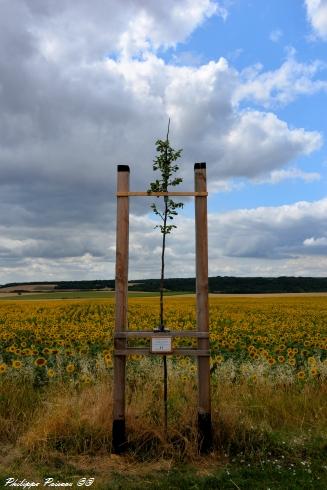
(149, 334)
(159, 194)
(129, 351)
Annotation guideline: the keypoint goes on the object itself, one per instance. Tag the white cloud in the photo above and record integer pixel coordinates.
(275, 35)
(83, 89)
(315, 242)
(280, 86)
(283, 240)
(317, 15)
(277, 176)
(275, 144)
(92, 29)
(217, 186)
(268, 232)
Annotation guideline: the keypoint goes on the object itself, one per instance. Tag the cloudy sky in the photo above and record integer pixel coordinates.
(86, 85)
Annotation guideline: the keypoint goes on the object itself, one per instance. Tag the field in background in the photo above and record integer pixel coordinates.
(79, 295)
(269, 394)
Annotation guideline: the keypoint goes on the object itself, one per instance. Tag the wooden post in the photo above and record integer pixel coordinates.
(119, 442)
(202, 308)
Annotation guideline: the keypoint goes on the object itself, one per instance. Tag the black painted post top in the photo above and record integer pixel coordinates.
(122, 168)
(198, 166)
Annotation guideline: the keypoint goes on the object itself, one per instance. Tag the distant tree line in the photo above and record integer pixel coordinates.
(237, 285)
(226, 284)
(96, 284)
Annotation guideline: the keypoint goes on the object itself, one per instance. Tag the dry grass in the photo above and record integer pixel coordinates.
(65, 429)
(70, 420)
(247, 416)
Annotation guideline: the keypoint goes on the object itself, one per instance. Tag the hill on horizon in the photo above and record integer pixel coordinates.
(218, 284)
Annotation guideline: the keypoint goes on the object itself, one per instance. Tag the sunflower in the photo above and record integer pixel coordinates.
(85, 378)
(108, 360)
(314, 371)
(136, 357)
(301, 375)
(70, 368)
(51, 373)
(17, 364)
(219, 359)
(40, 361)
(27, 352)
(3, 368)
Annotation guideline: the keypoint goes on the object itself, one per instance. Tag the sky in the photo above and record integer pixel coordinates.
(85, 86)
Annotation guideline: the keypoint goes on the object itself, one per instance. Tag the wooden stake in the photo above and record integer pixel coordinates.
(119, 443)
(202, 307)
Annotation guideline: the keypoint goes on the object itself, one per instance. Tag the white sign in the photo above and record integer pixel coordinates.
(161, 345)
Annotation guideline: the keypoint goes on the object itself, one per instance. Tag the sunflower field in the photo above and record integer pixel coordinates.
(253, 338)
(268, 382)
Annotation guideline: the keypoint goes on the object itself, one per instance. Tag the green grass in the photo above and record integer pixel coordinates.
(84, 295)
(273, 475)
(229, 477)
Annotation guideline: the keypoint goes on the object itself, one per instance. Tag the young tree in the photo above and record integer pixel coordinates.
(165, 164)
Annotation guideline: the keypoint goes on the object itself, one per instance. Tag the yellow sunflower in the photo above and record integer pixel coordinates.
(51, 373)
(3, 368)
(17, 364)
(70, 368)
(40, 361)
(314, 371)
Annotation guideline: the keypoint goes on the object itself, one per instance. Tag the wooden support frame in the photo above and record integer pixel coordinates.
(122, 334)
(202, 307)
(159, 194)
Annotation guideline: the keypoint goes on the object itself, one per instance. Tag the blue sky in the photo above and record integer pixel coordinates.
(266, 32)
(256, 32)
(85, 86)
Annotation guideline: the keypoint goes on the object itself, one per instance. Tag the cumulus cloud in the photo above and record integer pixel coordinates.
(271, 232)
(275, 144)
(280, 240)
(92, 29)
(277, 176)
(315, 242)
(317, 15)
(283, 85)
(83, 89)
(267, 239)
